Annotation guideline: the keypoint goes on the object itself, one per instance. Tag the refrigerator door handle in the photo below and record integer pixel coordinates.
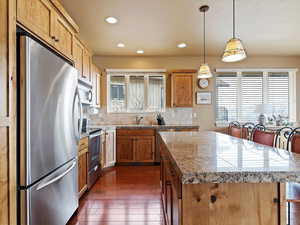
(77, 128)
(43, 185)
(81, 113)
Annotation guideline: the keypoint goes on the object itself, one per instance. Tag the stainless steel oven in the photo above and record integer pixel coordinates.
(94, 156)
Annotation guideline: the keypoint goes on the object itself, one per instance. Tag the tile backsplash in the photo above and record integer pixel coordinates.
(172, 116)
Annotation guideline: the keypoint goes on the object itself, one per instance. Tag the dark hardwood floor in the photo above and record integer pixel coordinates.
(125, 195)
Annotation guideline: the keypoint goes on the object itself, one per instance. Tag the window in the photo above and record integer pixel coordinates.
(238, 92)
(135, 91)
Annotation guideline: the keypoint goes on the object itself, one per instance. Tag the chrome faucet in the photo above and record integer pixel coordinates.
(138, 119)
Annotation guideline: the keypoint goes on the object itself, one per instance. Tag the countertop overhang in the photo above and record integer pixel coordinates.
(211, 157)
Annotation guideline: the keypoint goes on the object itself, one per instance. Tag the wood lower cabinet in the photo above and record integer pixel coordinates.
(135, 145)
(171, 191)
(144, 147)
(182, 86)
(83, 166)
(125, 149)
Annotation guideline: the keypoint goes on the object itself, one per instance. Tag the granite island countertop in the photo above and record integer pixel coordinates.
(211, 157)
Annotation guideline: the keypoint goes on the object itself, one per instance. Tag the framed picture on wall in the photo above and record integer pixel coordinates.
(203, 98)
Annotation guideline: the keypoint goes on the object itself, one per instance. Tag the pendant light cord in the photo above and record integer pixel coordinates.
(233, 18)
(204, 50)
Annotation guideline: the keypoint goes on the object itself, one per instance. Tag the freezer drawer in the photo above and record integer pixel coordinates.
(53, 200)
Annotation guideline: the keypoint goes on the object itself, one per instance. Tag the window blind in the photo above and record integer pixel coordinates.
(238, 94)
(278, 93)
(251, 93)
(226, 109)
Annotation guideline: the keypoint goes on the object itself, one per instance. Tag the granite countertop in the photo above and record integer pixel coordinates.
(211, 157)
(144, 126)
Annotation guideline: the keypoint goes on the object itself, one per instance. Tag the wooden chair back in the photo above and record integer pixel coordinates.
(235, 130)
(294, 141)
(282, 136)
(264, 137)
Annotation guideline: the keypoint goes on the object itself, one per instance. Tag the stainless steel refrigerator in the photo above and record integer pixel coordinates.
(48, 135)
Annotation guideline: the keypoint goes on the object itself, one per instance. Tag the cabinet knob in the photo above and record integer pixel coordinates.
(213, 198)
(53, 37)
(56, 39)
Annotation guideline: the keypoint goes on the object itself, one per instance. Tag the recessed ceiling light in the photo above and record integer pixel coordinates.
(139, 51)
(111, 20)
(121, 45)
(181, 45)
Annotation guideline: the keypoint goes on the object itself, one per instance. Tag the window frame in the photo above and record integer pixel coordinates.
(126, 73)
(239, 71)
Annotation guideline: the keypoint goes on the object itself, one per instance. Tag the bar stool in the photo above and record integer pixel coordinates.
(236, 130)
(264, 137)
(249, 126)
(294, 141)
(282, 136)
(293, 189)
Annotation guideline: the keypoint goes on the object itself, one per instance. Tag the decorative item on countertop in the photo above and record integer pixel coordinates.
(160, 119)
(234, 50)
(262, 110)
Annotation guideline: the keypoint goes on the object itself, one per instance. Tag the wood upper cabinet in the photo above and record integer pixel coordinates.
(96, 80)
(44, 20)
(82, 59)
(86, 65)
(63, 36)
(78, 55)
(135, 145)
(182, 85)
(37, 16)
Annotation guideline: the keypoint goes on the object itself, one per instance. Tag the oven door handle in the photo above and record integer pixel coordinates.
(95, 135)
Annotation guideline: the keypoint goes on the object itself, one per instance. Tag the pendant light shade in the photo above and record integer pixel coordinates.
(204, 70)
(234, 50)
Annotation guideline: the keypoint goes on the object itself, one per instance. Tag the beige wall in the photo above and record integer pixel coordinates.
(203, 115)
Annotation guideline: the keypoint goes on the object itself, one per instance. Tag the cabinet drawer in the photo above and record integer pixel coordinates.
(83, 143)
(136, 132)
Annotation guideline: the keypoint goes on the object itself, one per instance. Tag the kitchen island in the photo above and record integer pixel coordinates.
(209, 178)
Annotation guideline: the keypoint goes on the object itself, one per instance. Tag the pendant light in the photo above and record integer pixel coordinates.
(234, 50)
(204, 71)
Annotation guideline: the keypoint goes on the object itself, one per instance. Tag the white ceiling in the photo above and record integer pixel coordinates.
(267, 27)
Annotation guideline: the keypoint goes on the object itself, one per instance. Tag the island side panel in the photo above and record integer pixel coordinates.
(232, 204)
(282, 197)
